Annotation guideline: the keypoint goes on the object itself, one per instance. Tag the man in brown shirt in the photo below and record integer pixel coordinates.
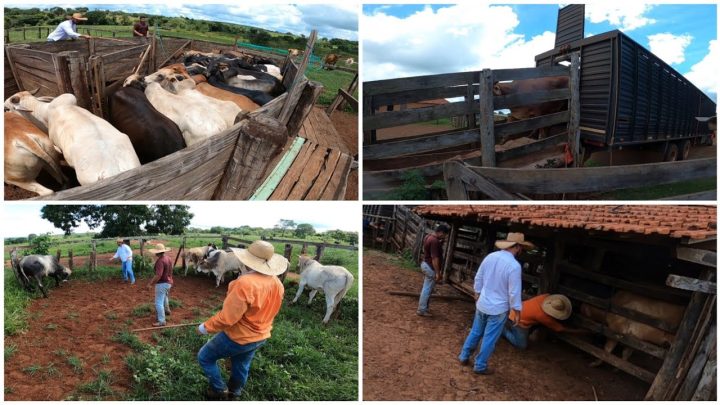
(162, 281)
(140, 29)
(431, 266)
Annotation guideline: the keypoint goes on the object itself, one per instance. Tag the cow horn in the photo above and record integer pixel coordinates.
(33, 92)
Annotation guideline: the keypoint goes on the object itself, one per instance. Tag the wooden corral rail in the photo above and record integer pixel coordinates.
(344, 96)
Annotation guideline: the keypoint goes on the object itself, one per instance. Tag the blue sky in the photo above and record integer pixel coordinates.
(21, 219)
(337, 20)
(429, 39)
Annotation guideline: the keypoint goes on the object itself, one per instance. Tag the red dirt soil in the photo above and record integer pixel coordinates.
(346, 125)
(87, 315)
(407, 357)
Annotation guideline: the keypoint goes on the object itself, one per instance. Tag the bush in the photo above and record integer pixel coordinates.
(40, 245)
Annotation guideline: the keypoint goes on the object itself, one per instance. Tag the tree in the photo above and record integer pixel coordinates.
(286, 224)
(122, 220)
(169, 219)
(31, 237)
(304, 230)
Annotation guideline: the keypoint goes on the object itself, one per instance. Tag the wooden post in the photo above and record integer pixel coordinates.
(470, 100)
(182, 247)
(574, 124)
(387, 231)
(153, 50)
(93, 262)
(62, 72)
(320, 249)
(78, 78)
(549, 278)
(295, 90)
(57, 255)
(70, 260)
(309, 95)
(288, 251)
(487, 121)
(303, 251)
(369, 137)
(225, 242)
(450, 251)
(260, 138)
(419, 238)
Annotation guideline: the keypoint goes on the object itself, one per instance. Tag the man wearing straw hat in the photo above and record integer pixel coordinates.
(544, 309)
(124, 254)
(245, 321)
(68, 29)
(162, 281)
(498, 283)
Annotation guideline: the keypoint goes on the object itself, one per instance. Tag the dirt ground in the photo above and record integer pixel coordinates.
(347, 126)
(407, 357)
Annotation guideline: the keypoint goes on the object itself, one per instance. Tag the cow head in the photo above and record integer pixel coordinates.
(303, 262)
(210, 261)
(20, 101)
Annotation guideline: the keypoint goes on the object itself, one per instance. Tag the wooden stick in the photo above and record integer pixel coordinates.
(440, 296)
(142, 59)
(166, 327)
(115, 39)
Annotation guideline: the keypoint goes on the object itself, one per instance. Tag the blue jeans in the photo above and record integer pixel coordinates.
(517, 336)
(162, 291)
(485, 327)
(127, 271)
(428, 285)
(219, 347)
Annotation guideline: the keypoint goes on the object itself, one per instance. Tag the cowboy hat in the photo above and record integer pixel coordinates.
(513, 238)
(261, 257)
(79, 17)
(159, 248)
(119, 240)
(558, 306)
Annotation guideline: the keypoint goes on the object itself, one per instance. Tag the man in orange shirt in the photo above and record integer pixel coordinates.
(245, 321)
(544, 309)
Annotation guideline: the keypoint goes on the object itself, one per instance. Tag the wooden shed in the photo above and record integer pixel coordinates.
(261, 157)
(588, 253)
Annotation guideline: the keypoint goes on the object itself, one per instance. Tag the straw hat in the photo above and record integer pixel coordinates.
(159, 248)
(261, 257)
(558, 306)
(79, 17)
(513, 238)
(119, 241)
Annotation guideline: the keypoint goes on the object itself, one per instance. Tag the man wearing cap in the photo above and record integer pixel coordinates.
(68, 29)
(124, 254)
(162, 281)
(498, 282)
(431, 266)
(544, 309)
(245, 321)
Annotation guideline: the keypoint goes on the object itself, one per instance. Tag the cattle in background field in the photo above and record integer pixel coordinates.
(330, 60)
(219, 262)
(671, 314)
(91, 145)
(38, 267)
(152, 134)
(349, 61)
(28, 150)
(195, 255)
(334, 281)
(294, 52)
(530, 86)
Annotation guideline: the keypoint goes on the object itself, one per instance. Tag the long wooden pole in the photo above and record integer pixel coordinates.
(166, 327)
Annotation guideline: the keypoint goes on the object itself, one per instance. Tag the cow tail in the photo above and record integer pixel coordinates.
(348, 283)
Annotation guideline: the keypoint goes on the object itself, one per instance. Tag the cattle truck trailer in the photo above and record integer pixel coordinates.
(629, 97)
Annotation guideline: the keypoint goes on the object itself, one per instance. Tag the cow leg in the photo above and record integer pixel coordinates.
(330, 302)
(42, 288)
(185, 266)
(312, 295)
(609, 347)
(301, 287)
(336, 312)
(33, 186)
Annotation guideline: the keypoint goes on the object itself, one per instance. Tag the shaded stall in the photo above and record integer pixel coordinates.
(590, 253)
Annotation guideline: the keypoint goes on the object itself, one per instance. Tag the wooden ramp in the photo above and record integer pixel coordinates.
(315, 166)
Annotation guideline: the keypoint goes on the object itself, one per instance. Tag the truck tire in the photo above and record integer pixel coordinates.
(671, 152)
(684, 149)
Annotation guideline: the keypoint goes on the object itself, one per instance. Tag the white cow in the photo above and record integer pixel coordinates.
(196, 255)
(334, 281)
(219, 262)
(88, 143)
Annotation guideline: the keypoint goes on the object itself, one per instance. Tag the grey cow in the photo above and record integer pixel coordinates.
(39, 266)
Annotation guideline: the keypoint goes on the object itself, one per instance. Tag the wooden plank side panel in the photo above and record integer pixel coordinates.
(326, 173)
(293, 174)
(310, 173)
(415, 83)
(396, 118)
(338, 182)
(419, 145)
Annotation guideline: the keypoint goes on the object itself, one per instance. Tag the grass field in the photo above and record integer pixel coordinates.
(302, 361)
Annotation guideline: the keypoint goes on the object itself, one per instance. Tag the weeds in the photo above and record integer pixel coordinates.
(10, 351)
(100, 387)
(129, 339)
(142, 310)
(33, 369)
(51, 370)
(51, 326)
(105, 359)
(77, 365)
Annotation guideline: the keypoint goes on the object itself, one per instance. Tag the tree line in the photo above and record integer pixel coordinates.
(32, 17)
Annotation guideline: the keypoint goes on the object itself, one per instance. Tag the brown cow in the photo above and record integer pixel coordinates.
(330, 60)
(28, 150)
(670, 313)
(294, 52)
(245, 103)
(533, 110)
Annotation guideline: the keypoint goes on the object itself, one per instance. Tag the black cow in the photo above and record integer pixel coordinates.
(39, 266)
(151, 133)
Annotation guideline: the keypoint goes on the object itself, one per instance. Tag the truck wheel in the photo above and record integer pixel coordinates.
(685, 149)
(671, 152)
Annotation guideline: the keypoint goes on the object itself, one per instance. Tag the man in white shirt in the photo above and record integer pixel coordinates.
(124, 253)
(67, 29)
(498, 290)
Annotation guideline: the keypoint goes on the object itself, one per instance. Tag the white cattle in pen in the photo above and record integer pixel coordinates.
(197, 254)
(219, 262)
(91, 145)
(334, 281)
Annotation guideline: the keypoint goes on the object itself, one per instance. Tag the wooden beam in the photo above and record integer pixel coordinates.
(376, 87)
(412, 96)
(691, 381)
(418, 145)
(438, 296)
(649, 348)
(501, 75)
(574, 124)
(623, 365)
(449, 254)
(691, 284)
(699, 256)
(296, 88)
(503, 132)
(487, 123)
(523, 99)
(455, 171)
(271, 182)
(410, 116)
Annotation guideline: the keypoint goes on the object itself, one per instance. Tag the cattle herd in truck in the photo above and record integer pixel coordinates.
(150, 117)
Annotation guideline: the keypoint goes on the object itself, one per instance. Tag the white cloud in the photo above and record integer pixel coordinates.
(449, 39)
(670, 48)
(626, 15)
(704, 74)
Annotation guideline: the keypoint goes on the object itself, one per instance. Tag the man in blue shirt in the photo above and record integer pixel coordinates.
(498, 290)
(124, 253)
(68, 29)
